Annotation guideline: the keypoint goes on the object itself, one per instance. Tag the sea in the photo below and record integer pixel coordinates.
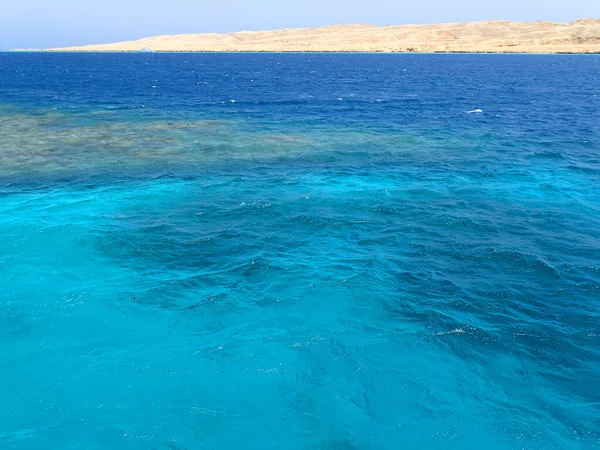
(299, 251)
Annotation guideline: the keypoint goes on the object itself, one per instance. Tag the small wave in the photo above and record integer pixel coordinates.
(512, 260)
(123, 107)
(455, 331)
(588, 170)
(546, 155)
(550, 187)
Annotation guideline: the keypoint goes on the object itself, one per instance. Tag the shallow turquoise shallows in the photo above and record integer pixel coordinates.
(326, 251)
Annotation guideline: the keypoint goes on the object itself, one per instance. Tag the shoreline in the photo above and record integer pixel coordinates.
(341, 52)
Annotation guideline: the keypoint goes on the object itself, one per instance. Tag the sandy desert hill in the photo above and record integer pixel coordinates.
(580, 36)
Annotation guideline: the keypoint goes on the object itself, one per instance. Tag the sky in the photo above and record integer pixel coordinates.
(55, 23)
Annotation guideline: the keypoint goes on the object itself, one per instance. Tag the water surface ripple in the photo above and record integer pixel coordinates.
(299, 251)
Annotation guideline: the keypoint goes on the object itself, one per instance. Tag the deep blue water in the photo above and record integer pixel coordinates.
(301, 251)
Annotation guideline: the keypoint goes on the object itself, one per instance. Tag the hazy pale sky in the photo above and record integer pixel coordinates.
(53, 23)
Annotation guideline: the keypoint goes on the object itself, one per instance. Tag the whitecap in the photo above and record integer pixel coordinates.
(455, 331)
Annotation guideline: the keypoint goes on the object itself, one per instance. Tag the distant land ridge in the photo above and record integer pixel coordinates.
(498, 36)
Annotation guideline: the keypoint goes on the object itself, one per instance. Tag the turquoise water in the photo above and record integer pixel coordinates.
(299, 251)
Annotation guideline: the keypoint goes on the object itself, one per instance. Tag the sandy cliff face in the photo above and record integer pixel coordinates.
(580, 36)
